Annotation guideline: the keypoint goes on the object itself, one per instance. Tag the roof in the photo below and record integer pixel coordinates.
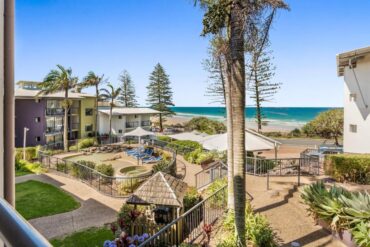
(343, 59)
(160, 189)
(129, 111)
(139, 132)
(253, 142)
(192, 136)
(32, 93)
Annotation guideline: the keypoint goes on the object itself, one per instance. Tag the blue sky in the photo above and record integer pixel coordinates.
(107, 36)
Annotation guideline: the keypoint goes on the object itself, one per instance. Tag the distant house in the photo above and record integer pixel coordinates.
(124, 119)
(44, 115)
(354, 66)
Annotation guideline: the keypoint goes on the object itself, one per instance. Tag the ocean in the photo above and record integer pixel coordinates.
(276, 117)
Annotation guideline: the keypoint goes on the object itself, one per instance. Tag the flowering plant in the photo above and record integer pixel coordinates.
(126, 241)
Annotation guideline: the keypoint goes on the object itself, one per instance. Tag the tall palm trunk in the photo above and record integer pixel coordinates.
(110, 122)
(237, 86)
(65, 125)
(96, 111)
(226, 78)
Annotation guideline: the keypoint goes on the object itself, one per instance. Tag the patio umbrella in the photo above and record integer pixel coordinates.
(139, 132)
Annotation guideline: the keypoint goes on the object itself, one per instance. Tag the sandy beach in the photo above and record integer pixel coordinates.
(270, 127)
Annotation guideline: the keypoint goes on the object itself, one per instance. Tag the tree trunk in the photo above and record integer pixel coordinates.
(237, 22)
(258, 102)
(110, 122)
(96, 111)
(230, 168)
(65, 127)
(160, 123)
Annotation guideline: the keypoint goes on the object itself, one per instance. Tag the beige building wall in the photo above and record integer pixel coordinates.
(85, 120)
(356, 114)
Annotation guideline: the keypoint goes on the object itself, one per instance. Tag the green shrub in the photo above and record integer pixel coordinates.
(206, 125)
(90, 164)
(191, 198)
(81, 171)
(160, 166)
(86, 143)
(26, 166)
(340, 208)
(348, 167)
(30, 153)
(164, 138)
(295, 133)
(199, 156)
(184, 146)
(258, 230)
(105, 169)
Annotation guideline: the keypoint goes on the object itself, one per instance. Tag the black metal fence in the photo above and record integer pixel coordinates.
(207, 176)
(189, 226)
(109, 185)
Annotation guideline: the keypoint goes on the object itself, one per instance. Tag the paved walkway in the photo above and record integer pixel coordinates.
(96, 209)
(285, 212)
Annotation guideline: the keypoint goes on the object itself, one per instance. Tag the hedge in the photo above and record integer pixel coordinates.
(348, 167)
(30, 153)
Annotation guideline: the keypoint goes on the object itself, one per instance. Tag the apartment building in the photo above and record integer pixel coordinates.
(43, 116)
(125, 119)
(354, 66)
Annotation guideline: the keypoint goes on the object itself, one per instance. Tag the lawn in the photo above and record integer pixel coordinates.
(36, 199)
(93, 237)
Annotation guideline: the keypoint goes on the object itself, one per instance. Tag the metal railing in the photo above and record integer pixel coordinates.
(60, 111)
(16, 231)
(189, 227)
(207, 176)
(109, 185)
(132, 124)
(145, 123)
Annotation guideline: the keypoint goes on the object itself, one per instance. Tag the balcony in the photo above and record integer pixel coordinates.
(146, 123)
(60, 111)
(132, 124)
(54, 130)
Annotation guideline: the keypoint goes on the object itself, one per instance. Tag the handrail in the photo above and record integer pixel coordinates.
(16, 231)
(175, 221)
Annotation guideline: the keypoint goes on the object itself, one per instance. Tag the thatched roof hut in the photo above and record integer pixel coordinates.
(162, 190)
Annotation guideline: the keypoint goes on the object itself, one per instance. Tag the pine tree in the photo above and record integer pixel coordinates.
(160, 93)
(127, 96)
(259, 82)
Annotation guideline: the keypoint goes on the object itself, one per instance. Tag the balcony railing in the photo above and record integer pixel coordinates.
(132, 124)
(145, 123)
(16, 231)
(54, 130)
(60, 111)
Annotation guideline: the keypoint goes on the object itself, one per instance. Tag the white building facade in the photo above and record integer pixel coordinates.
(354, 66)
(125, 119)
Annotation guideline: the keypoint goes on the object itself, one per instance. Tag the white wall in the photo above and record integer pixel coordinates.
(355, 112)
(1, 99)
(119, 124)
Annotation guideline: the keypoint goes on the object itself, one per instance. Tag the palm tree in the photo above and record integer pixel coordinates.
(60, 79)
(111, 95)
(93, 80)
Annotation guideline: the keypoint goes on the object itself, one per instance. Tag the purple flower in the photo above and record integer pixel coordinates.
(132, 245)
(136, 237)
(145, 235)
(140, 239)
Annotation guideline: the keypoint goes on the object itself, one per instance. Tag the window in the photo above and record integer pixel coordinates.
(38, 138)
(37, 100)
(353, 128)
(119, 117)
(352, 97)
(89, 112)
(120, 131)
(135, 116)
(37, 119)
(89, 127)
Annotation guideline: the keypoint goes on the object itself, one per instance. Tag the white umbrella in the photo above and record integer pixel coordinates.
(139, 132)
(252, 142)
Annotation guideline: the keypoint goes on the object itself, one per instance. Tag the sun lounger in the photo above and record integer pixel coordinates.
(152, 159)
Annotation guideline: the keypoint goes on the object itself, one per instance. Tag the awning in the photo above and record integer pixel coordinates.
(191, 136)
(139, 132)
(253, 142)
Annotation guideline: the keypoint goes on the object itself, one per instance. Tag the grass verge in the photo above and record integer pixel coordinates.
(35, 199)
(92, 237)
